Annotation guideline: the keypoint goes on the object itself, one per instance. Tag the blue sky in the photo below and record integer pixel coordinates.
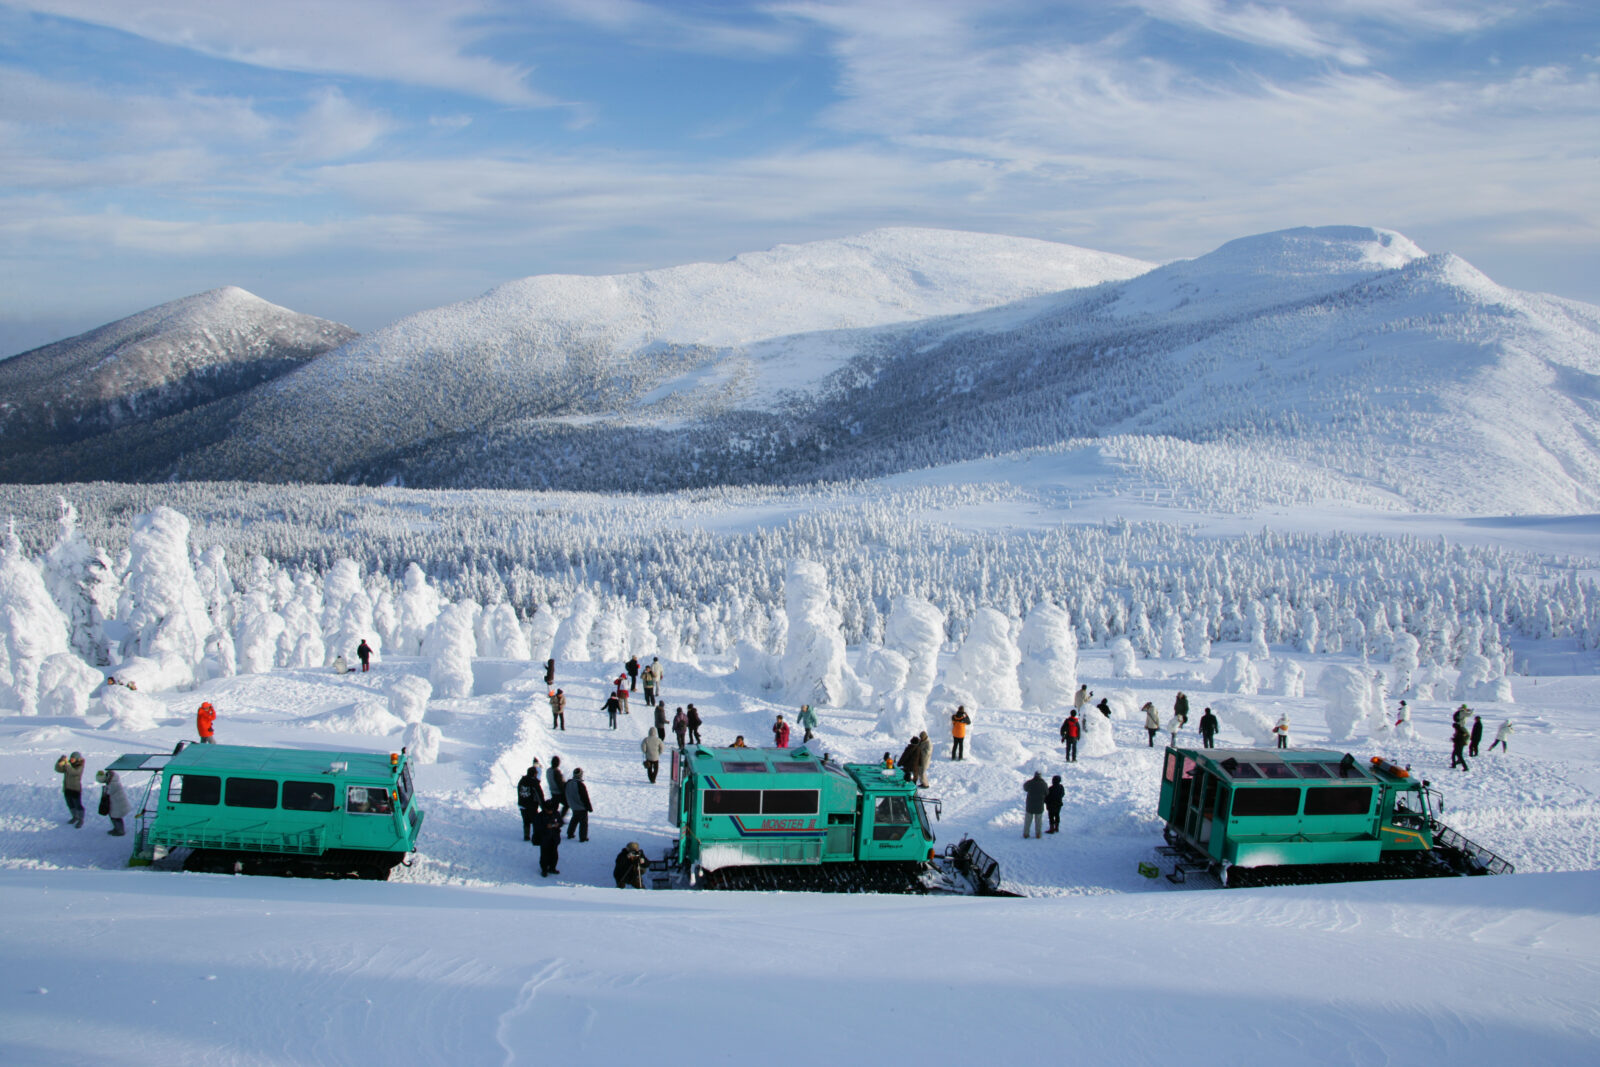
(362, 159)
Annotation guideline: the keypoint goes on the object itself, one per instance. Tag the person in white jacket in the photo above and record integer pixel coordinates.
(1500, 736)
(1174, 724)
(651, 747)
(115, 799)
(1152, 721)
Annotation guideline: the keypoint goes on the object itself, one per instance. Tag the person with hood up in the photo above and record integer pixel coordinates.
(530, 798)
(807, 721)
(661, 720)
(960, 723)
(113, 801)
(548, 837)
(651, 747)
(1104, 707)
(558, 710)
(1071, 730)
(1208, 728)
(780, 732)
(1034, 790)
(1152, 722)
(628, 870)
(680, 727)
(694, 724)
(205, 723)
(1180, 708)
(71, 770)
(1054, 798)
(578, 800)
(1475, 737)
(1281, 730)
(556, 779)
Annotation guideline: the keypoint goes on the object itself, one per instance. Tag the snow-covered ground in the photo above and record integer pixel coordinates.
(469, 956)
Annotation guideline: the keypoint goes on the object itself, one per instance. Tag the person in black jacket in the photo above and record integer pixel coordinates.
(1476, 737)
(548, 838)
(549, 672)
(632, 667)
(693, 715)
(530, 798)
(1208, 729)
(580, 805)
(1035, 790)
(1180, 708)
(1054, 797)
(630, 867)
(661, 720)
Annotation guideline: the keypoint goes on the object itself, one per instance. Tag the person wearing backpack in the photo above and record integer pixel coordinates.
(1071, 730)
(530, 798)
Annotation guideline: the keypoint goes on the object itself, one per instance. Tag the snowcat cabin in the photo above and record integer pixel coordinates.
(1260, 807)
(757, 807)
(279, 810)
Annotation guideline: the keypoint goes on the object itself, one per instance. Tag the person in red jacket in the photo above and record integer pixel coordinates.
(1071, 729)
(205, 721)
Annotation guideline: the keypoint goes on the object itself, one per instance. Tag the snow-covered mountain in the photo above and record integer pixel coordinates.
(1411, 377)
(154, 364)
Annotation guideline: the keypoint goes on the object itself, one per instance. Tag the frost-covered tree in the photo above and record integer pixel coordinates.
(1237, 675)
(408, 697)
(1172, 637)
(1291, 678)
(814, 665)
(1403, 658)
(161, 605)
(417, 606)
(500, 635)
(449, 646)
(67, 576)
(260, 628)
(916, 630)
(608, 640)
(1124, 660)
(1347, 700)
(1048, 674)
(1198, 640)
(32, 627)
(986, 663)
(572, 636)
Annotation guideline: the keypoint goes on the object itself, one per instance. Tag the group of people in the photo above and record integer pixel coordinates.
(114, 803)
(1464, 739)
(1040, 800)
(547, 799)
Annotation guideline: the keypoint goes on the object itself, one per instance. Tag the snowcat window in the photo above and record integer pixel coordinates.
(731, 802)
(405, 787)
(891, 817)
(1244, 771)
(194, 789)
(732, 767)
(802, 767)
(251, 793)
(307, 796)
(1275, 770)
(1311, 770)
(1171, 771)
(1339, 800)
(368, 800)
(789, 802)
(1266, 801)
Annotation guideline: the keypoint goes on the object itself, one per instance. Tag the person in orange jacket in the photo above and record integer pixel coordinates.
(205, 721)
(958, 733)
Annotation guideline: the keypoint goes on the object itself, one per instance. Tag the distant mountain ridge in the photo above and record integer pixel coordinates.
(153, 364)
(1343, 348)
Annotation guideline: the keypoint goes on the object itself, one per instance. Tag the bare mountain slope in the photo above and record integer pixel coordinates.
(153, 364)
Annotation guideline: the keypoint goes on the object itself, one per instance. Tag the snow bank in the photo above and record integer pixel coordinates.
(408, 697)
(1098, 738)
(999, 747)
(66, 684)
(128, 709)
(369, 717)
(421, 741)
(1253, 722)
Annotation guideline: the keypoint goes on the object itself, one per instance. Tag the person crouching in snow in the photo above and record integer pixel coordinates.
(628, 871)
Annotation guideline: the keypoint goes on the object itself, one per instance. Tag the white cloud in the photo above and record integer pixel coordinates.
(411, 42)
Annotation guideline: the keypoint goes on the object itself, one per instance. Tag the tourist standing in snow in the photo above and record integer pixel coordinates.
(923, 757)
(1152, 722)
(1500, 736)
(959, 724)
(807, 721)
(907, 760)
(780, 732)
(558, 710)
(651, 677)
(1180, 708)
(1475, 738)
(1071, 729)
(632, 667)
(548, 838)
(628, 870)
(71, 770)
(549, 672)
(613, 705)
(680, 726)
(530, 798)
(694, 724)
(364, 654)
(578, 801)
(1053, 799)
(1208, 729)
(1080, 699)
(1282, 730)
(661, 720)
(1034, 790)
(113, 800)
(651, 747)
(205, 723)
(556, 779)
(1402, 724)
(1458, 746)
(1174, 724)
(621, 691)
